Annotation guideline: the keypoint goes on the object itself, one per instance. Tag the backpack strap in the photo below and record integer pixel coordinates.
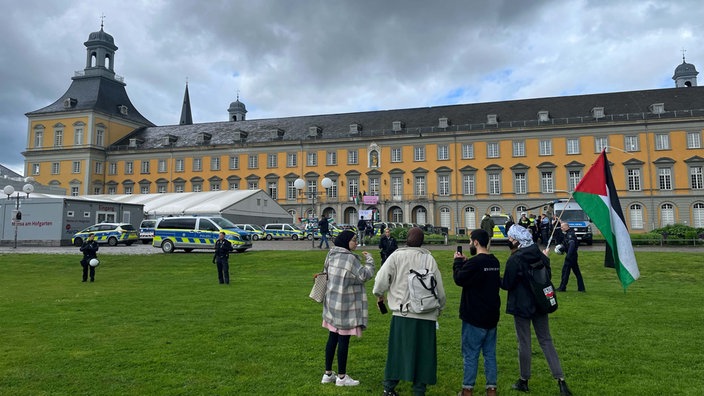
(433, 282)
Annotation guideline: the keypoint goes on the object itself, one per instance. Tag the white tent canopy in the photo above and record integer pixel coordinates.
(240, 206)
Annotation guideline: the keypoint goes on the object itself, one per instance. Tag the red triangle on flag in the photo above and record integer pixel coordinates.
(594, 182)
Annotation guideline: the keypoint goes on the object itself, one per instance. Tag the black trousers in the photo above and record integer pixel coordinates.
(223, 269)
(86, 269)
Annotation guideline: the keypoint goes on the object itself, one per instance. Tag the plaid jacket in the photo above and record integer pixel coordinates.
(345, 304)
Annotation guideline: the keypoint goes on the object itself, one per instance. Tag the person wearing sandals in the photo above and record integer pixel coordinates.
(345, 308)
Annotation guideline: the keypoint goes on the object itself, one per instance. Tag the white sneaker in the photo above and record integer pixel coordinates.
(328, 378)
(346, 381)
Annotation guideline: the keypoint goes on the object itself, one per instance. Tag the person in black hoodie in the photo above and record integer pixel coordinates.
(521, 305)
(480, 307)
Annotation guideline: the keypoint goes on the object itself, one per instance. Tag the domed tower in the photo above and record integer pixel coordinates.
(237, 110)
(685, 75)
(100, 56)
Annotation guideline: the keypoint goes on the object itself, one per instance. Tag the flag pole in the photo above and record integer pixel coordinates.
(559, 218)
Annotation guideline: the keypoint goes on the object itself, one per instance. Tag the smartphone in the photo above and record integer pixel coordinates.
(382, 307)
(459, 249)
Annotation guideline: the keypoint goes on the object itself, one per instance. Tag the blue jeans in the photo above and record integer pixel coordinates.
(474, 340)
(324, 238)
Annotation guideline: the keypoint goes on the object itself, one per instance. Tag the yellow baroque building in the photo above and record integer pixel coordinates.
(444, 165)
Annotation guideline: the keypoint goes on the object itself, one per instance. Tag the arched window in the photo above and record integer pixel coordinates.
(470, 218)
(445, 217)
(636, 214)
(698, 215)
(495, 209)
(667, 214)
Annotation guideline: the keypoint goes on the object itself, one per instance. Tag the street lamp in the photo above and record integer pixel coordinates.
(17, 215)
(300, 184)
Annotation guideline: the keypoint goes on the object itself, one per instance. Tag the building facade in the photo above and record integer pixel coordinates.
(445, 165)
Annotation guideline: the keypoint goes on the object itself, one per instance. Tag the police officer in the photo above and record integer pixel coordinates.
(90, 251)
(571, 244)
(223, 247)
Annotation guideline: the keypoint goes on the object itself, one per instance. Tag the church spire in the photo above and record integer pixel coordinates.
(186, 117)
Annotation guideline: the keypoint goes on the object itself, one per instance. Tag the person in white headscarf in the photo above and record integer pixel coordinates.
(521, 305)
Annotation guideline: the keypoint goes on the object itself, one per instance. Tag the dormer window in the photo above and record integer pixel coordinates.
(239, 135)
(355, 128)
(397, 126)
(204, 138)
(69, 103)
(543, 116)
(657, 108)
(314, 131)
(169, 140)
(443, 122)
(134, 142)
(598, 112)
(123, 109)
(492, 119)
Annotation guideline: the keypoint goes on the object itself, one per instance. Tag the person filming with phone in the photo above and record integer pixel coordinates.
(480, 305)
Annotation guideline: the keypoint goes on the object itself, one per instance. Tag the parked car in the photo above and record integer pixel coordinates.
(256, 230)
(146, 230)
(284, 231)
(110, 233)
(188, 233)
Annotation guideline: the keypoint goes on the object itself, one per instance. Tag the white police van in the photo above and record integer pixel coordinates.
(190, 233)
(284, 231)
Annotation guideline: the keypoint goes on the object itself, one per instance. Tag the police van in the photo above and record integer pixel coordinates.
(256, 230)
(284, 231)
(500, 233)
(190, 233)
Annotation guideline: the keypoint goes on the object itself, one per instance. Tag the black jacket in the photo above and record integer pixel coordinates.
(222, 248)
(480, 279)
(520, 299)
(89, 249)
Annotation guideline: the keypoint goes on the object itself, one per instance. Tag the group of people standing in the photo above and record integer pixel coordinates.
(412, 351)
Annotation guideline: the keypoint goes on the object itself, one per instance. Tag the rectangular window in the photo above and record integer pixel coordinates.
(396, 188)
(694, 140)
(633, 179)
(546, 182)
(129, 167)
(162, 166)
(374, 186)
(291, 191)
(112, 190)
(144, 190)
(99, 137)
(179, 188)
(35, 169)
(78, 136)
(312, 158)
(55, 168)
(420, 186)
(96, 191)
(331, 191)
(352, 187)
(197, 165)
(573, 146)
(494, 184)
(273, 190)
(215, 163)
(444, 185)
(519, 183)
(696, 176)
(396, 154)
(519, 148)
(145, 167)
(352, 157)
(99, 167)
(234, 162)
(58, 138)
(331, 158)
(128, 190)
(545, 147)
(291, 160)
(574, 178)
(601, 144)
(662, 141)
(469, 185)
(197, 187)
(630, 143)
(492, 150)
(38, 137)
(419, 153)
(253, 161)
(180, 165)
(76, 167)
(443, 153)
(112, 168)
(665, 178)
(215, 186)
(467, 150)
(161, 189)
(272, 160)
(74, 191)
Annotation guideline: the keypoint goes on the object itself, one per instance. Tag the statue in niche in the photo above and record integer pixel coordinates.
(374, 159)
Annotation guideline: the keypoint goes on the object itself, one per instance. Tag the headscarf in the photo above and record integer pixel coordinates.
(343, 240)
(521, 234)
(415, 237)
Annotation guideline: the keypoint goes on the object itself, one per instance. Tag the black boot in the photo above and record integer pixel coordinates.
(521, 385)
(564, 390)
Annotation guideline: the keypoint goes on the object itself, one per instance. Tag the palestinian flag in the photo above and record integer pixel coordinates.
(596, 194)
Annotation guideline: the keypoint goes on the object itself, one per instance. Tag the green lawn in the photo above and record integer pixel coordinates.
(161, 325)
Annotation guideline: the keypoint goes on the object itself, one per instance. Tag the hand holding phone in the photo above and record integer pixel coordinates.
(459, 249)
(382, 307)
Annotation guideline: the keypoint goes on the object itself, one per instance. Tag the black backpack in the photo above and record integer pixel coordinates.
(541, 288)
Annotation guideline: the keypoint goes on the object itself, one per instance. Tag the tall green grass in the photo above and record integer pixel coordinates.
(162, 325)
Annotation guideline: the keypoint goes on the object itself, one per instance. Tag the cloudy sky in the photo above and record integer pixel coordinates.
(301, 57)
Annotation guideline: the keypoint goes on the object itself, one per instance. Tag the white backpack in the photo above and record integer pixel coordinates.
(423, 297)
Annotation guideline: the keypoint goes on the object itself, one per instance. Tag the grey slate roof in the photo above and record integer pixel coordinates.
(516, 114)
(98, 93)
